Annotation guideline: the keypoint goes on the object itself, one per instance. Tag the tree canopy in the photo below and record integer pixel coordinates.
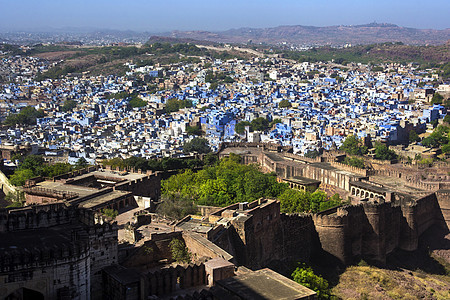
(258, 124)
(437, 98)
(382, 152)
(193, 130)
(68, 105)
(173, 105)
(179, 251)
(294, 201)
(353, 146)
(197, 144)
(230, 182)
(163, 164)
(26, 116)
(240, 127)
(34, 166)
(176, 206)
(354, 162)
(438, 138)
(135, 101)
(414, 137)
(305, 276)
(284, 104)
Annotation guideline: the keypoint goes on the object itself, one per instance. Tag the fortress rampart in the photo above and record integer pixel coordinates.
(372, 229)
(54, 250)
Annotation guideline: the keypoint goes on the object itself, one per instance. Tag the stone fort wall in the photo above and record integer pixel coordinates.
(373, 230)
(370, 230)
(68, 266)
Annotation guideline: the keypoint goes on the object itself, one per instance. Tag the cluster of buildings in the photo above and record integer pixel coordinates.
(326, 102)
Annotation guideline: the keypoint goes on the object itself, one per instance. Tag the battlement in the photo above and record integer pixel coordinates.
(371, 207)
(15, 259)
(341, 166)
(155, 236)
(338, 219)
(33, 217)
(264, 146)
(351, 209)
(51, 193)
(165, 281)
(102, 228)
(130, 169)
(302, 158)
(301, 220)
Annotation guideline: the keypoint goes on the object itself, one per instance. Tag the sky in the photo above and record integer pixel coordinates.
(213, 15)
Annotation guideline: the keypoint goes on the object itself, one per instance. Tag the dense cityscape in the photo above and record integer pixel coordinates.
(309, 106)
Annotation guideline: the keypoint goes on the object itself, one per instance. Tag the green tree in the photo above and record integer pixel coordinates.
(294, 201)
(193, 130)
(312, 154)
(305, 276)
(81, 163)
(176, 206)
(354, 162)
(353, 146)
(111, 213)
(333, 201)
(179, 251)
(199, 145)
(20, 176)
(116, 162)
(446, 148)
(68, 105)
(382, 152)
(437, 98)
(214, 86)
(260, 124)
(210, 159)
(437, 138)
(16, 198)
(173, 105)
(284, 104)
(135, 101)
(413, 137)
(275, 121)
(32, 162)
(240, 127)
(223, 184)
(447, 118)
(26, 116)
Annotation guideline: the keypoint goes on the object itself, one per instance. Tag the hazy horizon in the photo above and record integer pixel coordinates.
(156, 17)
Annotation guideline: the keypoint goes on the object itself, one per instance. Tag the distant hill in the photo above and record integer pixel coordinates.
(174, 40)
(330, 35)
(375, 53)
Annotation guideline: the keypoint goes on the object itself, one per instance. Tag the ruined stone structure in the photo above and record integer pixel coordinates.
(255, 234)
(383, 220)
(94, 188)
(65, 249)
(54, 252)
(373, 230)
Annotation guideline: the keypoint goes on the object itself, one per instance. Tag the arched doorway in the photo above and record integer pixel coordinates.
(25, 294)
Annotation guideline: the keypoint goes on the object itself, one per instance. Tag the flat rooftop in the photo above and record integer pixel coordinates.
(396, 184)
(303, 180)
(82, 191)
(116, 174)
(105, 198)
(197, 225)
(370, 187)
(265, 284)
